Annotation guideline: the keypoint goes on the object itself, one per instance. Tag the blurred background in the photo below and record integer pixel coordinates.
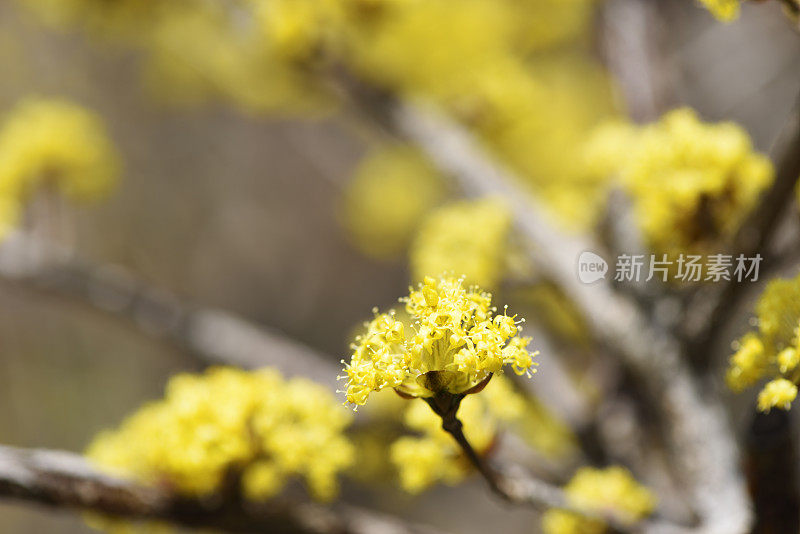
(244, 211)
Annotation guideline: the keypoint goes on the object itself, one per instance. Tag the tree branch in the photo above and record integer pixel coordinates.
(215, 336)
(66, 480)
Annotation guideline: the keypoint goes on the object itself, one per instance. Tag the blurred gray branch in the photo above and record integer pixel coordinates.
(66, 480)
(217, 337)
(631, 39)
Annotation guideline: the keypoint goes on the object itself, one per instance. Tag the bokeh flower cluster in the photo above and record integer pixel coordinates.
(692, 183)
(50, 144)
(610, 489)
(256, 428)
(772, 350)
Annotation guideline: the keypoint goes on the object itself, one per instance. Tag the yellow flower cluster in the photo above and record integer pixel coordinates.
(301, 24)
(543, 24)
(748, 364)
(778, 393)
(454, 342)
(691, 183)
(393, 45)
(196, 50)
(227, 422)
(610, 489)
(296, 28)
(250, 52)
(724, 10)
(467, 237)
(774, 350)
(52, 143)
(395, 50)
(390, 193)
(609, 148)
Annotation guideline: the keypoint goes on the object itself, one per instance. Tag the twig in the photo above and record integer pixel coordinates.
(217, 337)
(65, 480)
(446, 405)
(522, 489)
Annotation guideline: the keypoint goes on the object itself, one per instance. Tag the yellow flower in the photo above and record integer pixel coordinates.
(608, 148)
(430, 46)
(788, 359)
(294, 28)
(453, 342)
(467, 237)
(254, 424)
(778, 312)
(253, 55)
(724, 10)
(54, 142)
(691, 183)
(609, 489)
(774, 350)
(778, 393)
(262, 480)
(422, 462)
(389, 194)
(748, 364)
(548, 23)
